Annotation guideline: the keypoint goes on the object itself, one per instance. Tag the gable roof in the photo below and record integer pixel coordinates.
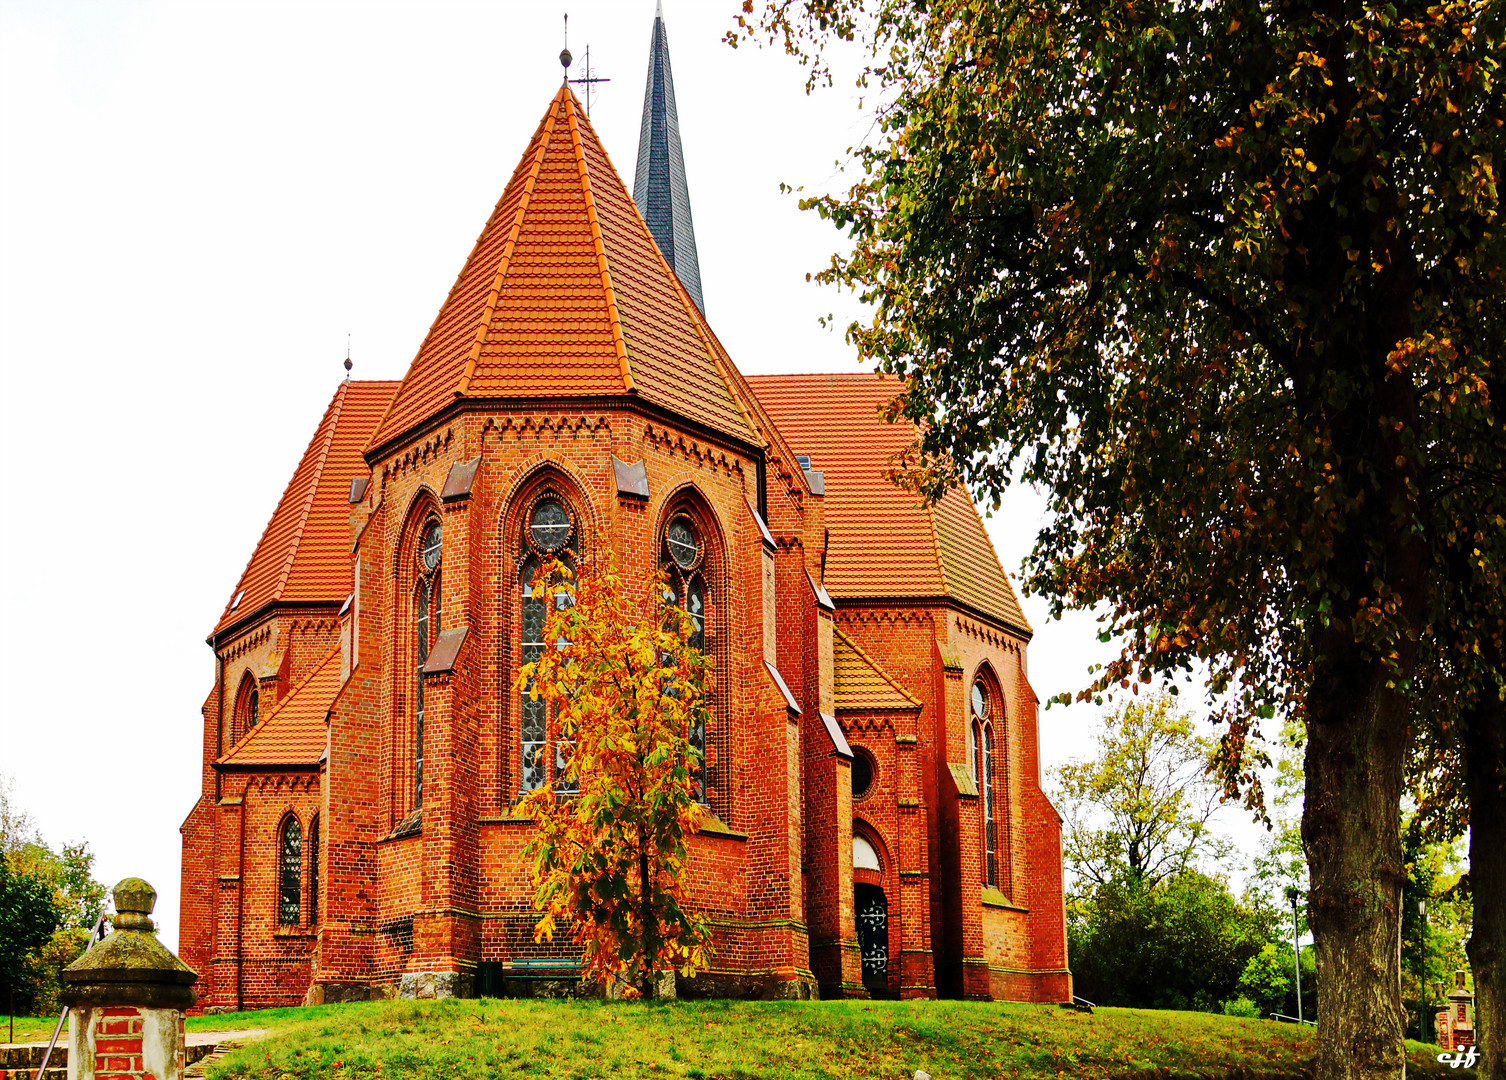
(861, 684)
(565, 294)
(304, 552)
(884, 543)
(293, 733)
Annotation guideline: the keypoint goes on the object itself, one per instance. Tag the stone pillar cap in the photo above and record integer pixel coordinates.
(130, 967)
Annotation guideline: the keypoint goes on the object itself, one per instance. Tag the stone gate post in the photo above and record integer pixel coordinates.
(126, 997)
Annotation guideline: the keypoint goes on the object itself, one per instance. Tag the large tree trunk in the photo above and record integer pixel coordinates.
(1351, 831)
(1485, 780)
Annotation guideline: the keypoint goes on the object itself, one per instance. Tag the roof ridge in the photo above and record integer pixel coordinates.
(381, 424)
(613, 319)
(308, 500)
(876, 666)
(490, 310)
(313, 673)
(742, 394)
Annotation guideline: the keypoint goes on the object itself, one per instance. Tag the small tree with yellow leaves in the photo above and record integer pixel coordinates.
(609, 859)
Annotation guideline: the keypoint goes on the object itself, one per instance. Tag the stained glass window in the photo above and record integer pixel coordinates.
(252, 705)
(433, 544)
(549, 527)
(990, 852)
(681, 540)
(289, 898)
(980, 701)
(421, 655)
(534, 714)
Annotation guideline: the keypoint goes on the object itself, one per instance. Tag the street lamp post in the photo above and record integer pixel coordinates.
(1291, 894)
(1422, 976)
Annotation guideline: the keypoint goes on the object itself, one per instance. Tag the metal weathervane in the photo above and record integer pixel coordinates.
(588, 79)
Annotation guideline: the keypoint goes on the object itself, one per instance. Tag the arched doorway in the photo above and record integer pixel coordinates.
(872, 917)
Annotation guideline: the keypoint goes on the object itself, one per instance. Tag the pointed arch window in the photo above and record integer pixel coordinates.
(290, 873)
(981, 736)
(247, 710)
(548, 533)
(314, 871)
(684, 560)
(427, 609)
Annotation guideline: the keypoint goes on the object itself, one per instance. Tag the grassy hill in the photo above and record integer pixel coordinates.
(744, 1040)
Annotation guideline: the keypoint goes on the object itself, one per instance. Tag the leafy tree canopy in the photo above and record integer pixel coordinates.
(1226, 280)
(1141, 808)
(609, 860)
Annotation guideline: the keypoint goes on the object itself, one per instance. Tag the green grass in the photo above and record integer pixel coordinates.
(744, 1040)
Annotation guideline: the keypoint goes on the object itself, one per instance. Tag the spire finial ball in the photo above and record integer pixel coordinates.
(565, 58)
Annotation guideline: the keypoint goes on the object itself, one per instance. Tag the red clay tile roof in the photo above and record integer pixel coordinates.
(294, 732)
(861, 683)
(566, 295)
(883, 542)
(304, 554)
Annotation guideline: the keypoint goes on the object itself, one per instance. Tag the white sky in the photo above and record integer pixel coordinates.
(198, 201)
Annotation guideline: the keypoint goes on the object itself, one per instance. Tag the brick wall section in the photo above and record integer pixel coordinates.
(777, 888)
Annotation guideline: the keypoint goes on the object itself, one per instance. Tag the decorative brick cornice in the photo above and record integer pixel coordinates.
(258, 637)
(885, 616)
(987, 634)
(703, 455)
(418, 454)
(540, 425)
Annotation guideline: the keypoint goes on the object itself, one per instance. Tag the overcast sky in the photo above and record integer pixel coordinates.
(198, 202)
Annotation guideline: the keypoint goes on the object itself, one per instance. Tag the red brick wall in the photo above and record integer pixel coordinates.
(458, 892)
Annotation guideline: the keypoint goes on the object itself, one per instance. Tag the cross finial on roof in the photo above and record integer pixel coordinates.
(589, 80)
(348, 364)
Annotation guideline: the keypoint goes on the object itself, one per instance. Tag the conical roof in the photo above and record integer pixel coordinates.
(659, 185)
(566, 295)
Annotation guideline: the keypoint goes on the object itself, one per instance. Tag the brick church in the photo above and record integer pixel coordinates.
(876, 823)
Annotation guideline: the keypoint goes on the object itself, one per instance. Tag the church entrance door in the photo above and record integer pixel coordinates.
(872, 917)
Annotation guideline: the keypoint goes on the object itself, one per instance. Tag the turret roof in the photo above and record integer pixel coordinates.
(566, 295)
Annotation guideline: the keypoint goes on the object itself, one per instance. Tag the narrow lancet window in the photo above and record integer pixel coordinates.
(547, 535)
(682, 543)
(426, 613)
(289, 893)
(314, 872)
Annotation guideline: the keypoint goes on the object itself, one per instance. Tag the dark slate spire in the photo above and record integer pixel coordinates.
(659, 186)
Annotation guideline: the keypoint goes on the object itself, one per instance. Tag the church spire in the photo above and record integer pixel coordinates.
(659, 186)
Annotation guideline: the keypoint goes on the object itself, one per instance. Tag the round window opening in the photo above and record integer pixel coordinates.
(980, 701)
(683, 544)
(549, 527)
(863, 768)
(432, 545)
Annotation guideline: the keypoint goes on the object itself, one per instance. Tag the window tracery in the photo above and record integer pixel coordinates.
(427, 608)
(684, 561)
(982, 736)
(290, 885)
(549, 532)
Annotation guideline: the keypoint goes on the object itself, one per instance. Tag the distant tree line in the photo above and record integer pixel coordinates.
(1153, 923)
(49, 903)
